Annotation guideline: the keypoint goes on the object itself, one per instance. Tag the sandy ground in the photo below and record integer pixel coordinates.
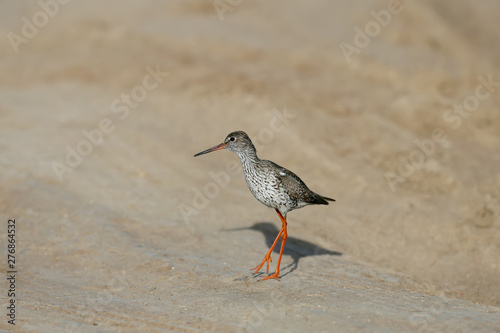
(119, 228)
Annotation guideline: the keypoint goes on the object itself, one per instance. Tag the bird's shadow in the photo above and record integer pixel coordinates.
(294, 247)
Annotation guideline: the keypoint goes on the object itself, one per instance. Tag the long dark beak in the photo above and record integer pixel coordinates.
(209, 150)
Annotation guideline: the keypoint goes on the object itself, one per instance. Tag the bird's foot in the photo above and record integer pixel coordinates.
(267, 259)
(275, 275)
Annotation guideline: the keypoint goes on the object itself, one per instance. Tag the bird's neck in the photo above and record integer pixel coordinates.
(248, 159)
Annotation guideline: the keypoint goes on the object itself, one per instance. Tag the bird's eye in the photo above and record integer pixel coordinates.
(232, 138)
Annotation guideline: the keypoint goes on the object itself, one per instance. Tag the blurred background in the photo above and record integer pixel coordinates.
(389, 107)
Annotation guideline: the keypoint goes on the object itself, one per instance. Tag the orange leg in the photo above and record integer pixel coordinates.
(267, 257)
(283, 234)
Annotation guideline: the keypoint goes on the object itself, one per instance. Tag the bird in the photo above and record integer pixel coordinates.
(272, 185)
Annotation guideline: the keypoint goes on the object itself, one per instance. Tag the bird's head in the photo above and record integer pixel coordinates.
(238, 142)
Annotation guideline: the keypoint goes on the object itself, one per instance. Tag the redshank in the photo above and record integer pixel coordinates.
(272, 185)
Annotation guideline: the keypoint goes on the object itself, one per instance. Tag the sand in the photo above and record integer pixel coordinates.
(392, 110)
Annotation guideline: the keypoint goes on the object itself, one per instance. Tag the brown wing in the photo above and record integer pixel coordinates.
(296, 188)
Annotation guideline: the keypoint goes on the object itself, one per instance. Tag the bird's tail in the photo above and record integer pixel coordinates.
(328, 199)
(319, 199)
